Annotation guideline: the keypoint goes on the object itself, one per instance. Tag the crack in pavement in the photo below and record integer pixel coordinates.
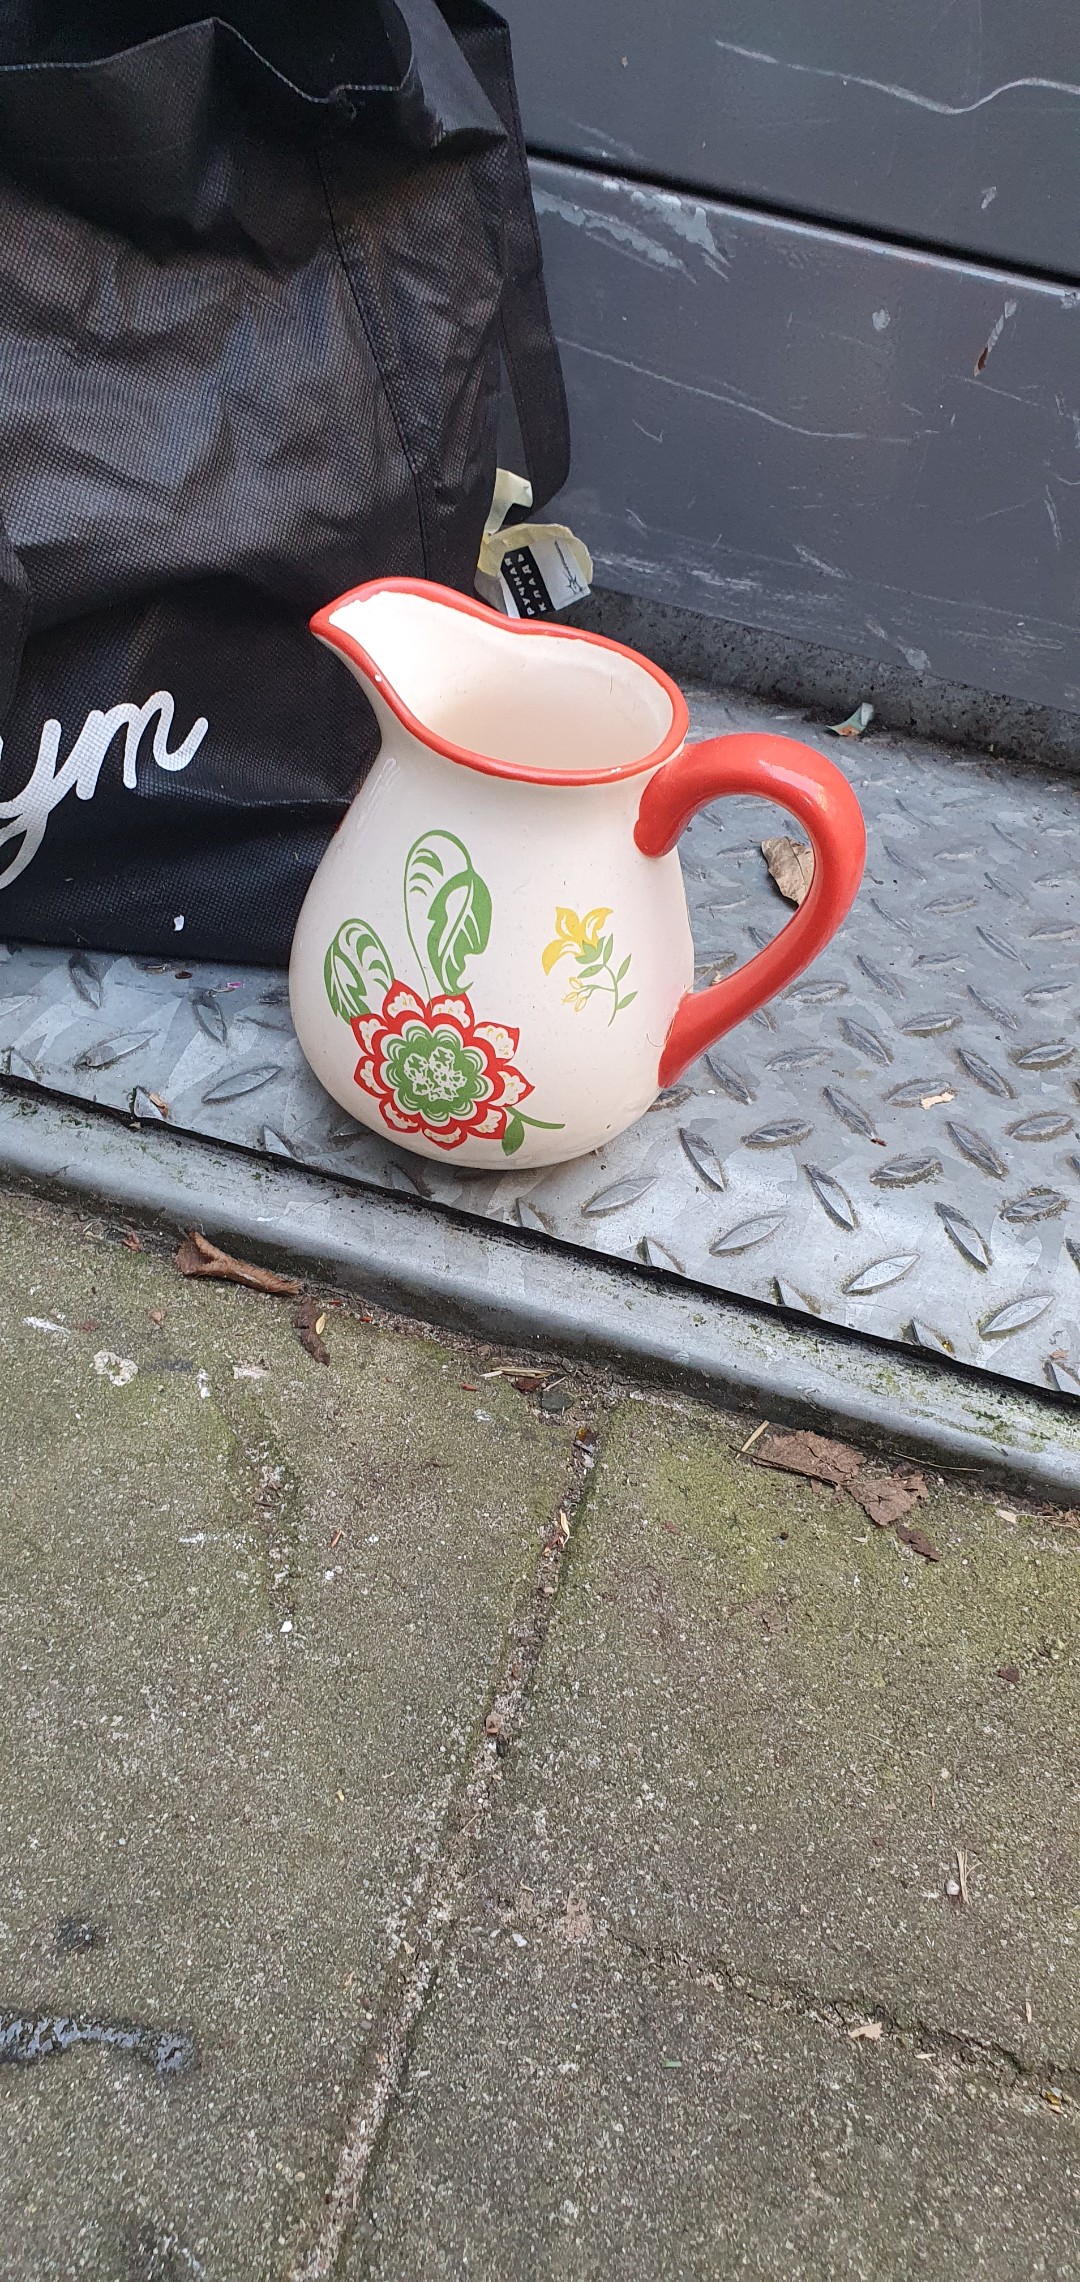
(1003, 2069)
(420, 1957)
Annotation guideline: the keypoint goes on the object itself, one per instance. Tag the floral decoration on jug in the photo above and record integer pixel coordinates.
(594, 953)
(427, 1061)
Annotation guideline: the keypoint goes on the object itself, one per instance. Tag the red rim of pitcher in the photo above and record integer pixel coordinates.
(338, 639)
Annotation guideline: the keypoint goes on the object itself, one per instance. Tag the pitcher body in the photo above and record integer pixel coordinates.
(489, 972)
(494, 958)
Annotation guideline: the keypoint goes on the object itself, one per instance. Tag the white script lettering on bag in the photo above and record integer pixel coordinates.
(25, 818)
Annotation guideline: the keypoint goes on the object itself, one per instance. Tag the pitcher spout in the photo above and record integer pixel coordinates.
(509, 697)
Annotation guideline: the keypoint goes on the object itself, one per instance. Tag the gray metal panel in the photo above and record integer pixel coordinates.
(838, 440)
(959, 126)
(892, 1146)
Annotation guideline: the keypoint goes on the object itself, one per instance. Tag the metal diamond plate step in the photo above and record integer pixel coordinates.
(892, 1145)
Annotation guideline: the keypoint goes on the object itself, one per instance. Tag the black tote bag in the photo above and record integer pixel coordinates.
(257, 281)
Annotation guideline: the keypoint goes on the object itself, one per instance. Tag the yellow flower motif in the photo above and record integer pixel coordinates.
(577, 996)
(574, 934)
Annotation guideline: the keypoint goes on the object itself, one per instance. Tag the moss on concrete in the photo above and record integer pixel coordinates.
(760, 1732)
(253, 1611)
(783, 1726)
(251, 1624)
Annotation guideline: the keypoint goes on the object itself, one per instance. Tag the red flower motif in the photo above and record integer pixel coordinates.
(435, 1070)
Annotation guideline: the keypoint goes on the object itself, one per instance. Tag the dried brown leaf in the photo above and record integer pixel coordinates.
(198, 1257)
(885, 1502)
(791, 865)
(309, 1320)
(1010, 1673)
(918, 1541)
(886, 1498)
(812, 1455)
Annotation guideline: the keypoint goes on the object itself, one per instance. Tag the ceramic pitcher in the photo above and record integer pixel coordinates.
(494, 959)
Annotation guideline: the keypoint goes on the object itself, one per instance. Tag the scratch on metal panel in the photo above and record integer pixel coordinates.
(733, 403)
(829, 569)
(899, 94)
(995, 333)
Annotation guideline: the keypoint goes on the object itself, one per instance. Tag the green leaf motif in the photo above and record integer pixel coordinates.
(447, 905)
(513, 1136)
(460, 924)
(356, 970)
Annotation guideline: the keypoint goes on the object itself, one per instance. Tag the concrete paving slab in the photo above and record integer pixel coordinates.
(760, 1738)
(252, 1610)
(617, 2118)
(763, 1729)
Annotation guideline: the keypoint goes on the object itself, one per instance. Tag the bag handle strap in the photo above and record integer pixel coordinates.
(528, 343)
(14, 619)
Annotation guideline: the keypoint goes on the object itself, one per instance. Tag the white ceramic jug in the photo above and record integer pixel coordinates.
(494, 958)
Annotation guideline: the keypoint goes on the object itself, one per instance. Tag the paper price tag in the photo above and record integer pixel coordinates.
(532, 570)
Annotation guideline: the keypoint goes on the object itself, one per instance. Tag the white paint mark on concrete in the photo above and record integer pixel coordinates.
(118, 1369)
(881, 320)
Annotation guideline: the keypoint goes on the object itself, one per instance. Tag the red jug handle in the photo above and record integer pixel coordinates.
(773, 768)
